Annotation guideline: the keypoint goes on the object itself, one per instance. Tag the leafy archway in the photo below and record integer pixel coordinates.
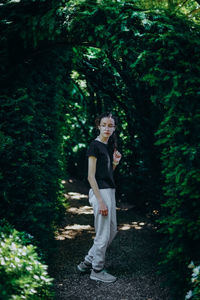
(62, 64)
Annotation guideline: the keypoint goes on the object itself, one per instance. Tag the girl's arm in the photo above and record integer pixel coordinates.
(92, 161)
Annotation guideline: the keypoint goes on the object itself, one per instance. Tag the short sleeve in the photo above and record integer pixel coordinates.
(92, 150)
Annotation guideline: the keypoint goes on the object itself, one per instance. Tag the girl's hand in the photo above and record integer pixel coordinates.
(103, 210)
(116, 157)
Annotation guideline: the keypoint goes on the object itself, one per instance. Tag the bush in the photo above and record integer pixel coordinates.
(194, 294)
(22, 274)
(32, 121)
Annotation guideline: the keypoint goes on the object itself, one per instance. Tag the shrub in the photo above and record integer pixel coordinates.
(194, 294)
(32, 120)
(22, 274)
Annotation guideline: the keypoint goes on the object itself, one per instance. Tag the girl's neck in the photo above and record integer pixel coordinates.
(102, 139)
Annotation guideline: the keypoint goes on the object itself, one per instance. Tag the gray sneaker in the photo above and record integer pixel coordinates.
(102, 276)
(83, 267)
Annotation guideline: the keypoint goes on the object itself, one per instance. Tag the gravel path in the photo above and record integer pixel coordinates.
(132, 256)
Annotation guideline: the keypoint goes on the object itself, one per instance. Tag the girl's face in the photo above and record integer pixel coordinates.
(106, 127)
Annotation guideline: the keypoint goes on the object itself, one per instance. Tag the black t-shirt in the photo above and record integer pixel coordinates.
(104, 167)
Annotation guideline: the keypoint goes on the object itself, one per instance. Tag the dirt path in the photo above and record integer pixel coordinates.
(132, 256)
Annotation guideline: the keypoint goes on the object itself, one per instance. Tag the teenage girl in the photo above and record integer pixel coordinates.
(103, 157)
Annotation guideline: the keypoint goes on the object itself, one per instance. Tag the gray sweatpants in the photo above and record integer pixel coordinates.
(105, 227)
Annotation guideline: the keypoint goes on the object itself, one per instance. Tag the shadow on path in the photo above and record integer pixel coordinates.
(132, 256)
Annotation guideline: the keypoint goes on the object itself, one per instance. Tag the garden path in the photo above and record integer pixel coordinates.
(132, 256)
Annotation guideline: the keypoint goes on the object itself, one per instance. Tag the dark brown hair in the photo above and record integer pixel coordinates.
(113, 138)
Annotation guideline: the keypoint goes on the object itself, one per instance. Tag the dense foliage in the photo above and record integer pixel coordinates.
(32, 162)
(22, 274)
(194, 293)
(74, 60)
(179, 137)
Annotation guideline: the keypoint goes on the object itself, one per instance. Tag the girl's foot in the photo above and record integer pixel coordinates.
(102, 276)
(84, 267)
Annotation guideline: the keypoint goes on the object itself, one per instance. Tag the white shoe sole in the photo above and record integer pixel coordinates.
(99, 279)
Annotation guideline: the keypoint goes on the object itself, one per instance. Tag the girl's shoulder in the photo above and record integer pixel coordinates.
(93, 149)
(93, 143)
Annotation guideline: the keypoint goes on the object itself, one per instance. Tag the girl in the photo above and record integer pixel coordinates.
(103, 158)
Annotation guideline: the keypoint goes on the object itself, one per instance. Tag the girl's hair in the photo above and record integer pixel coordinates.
(113, 138)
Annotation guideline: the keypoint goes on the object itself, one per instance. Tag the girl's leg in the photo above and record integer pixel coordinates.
(96, 254)
(113, 223)
(90, 255)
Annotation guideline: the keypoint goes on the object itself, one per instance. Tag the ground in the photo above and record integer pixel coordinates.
(132, 256)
